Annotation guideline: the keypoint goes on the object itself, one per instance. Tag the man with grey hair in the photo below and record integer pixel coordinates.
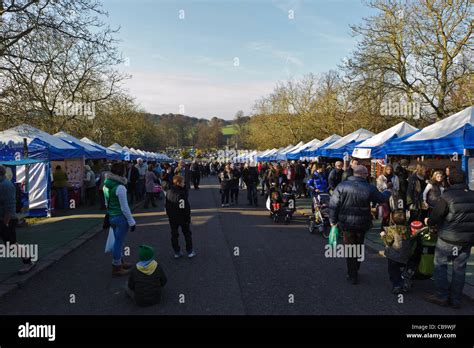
(350, 209)
(8, 218)
(140, 189)
(335, 176)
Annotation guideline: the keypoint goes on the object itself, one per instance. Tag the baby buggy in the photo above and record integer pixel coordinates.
(319, 220)
(282, 206)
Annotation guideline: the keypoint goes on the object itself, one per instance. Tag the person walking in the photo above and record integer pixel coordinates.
(196, 175)
(60, 185)
(225, 178)
(350, 209)
(140, 188)
(120, 216)
(234, 184)
(453, 214)
(8, 218)
(132, 181)
(416, 186)
(90, 185)
(150, 181)
(300, 174)
(335, 176)
(178, 210)
(250, 178)
(388, 181)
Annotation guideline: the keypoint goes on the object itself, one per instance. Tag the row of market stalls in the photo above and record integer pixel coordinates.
(449, 142)
(30, 153)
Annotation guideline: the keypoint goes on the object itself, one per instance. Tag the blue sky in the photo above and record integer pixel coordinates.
(225, 54)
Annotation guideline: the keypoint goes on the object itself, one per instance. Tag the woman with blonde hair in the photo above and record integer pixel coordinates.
(433, 190)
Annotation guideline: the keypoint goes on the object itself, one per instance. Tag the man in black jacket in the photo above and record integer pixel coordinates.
(132, 180)
(454, 216)
(179, 215)
(350, 208)
(300, 174)
(335, 176)
(250, 177)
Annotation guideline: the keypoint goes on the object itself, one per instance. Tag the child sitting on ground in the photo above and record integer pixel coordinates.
(399, 244)
(146, 279)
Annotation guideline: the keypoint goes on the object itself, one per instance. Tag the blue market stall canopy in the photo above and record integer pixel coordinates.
(345, 145)
(374, 147)
(296, 153)
(311, 151)
(90, 151)
(12, 151)
(110, 154)
(446, 137)
(57, 148)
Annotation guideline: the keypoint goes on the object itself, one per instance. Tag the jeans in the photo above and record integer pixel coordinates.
(234, 195)
(120, 226)
(225, 196)
(175, 236)
(61, 198)
(252, 193)
(395, 272)
(149, 198)
(444, 253)
(353, 265)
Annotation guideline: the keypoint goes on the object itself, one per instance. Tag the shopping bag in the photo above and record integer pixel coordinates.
(109, 245)
(333, 235)
(426, 266)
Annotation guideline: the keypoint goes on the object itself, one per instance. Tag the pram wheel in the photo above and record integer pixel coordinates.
(287, 219)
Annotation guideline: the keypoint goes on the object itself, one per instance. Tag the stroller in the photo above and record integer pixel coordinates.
(319, 220)
(281, 205)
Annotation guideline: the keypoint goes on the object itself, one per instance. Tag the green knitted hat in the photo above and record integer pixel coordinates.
(146, 253)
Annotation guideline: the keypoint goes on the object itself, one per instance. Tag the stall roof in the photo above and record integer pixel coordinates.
(91, 152)
(311, 151)
(110, 154)
(446, 137)
(345, 144)
(296, 153)
(58, 149)
(374, 146)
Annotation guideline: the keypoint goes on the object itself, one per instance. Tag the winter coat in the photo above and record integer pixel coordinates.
(250, 176)
(335, 178)
(415, 189)
(177, 205)
(147, 288)
(382, 182)
(319, 182)
(150, 180)
(225, 179)
(350, 204)
(454, 215)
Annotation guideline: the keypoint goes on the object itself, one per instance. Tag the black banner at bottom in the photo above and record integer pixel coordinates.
(383, 331)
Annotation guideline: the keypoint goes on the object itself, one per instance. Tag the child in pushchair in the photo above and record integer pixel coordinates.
(282, 204)
(319, 220)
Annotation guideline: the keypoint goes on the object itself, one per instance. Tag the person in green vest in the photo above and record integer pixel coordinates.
(120, 217)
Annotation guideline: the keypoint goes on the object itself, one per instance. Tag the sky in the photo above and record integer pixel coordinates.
(207, 58)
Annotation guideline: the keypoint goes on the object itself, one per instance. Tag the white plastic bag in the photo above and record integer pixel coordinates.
(109, 245)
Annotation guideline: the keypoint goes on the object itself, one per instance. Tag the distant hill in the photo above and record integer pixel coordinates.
(191, 119)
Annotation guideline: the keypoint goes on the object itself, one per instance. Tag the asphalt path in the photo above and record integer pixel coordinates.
(246, 264)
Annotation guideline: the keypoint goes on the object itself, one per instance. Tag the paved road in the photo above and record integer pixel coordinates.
(276, 262)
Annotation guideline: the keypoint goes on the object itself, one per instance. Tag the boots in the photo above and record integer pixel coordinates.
(126, 266)
(118, 271)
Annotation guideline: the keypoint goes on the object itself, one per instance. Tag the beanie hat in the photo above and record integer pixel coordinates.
(145, 253)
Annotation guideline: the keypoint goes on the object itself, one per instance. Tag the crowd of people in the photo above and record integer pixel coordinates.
(405, 199)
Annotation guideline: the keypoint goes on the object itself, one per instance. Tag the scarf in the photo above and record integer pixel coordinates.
(147, 267)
